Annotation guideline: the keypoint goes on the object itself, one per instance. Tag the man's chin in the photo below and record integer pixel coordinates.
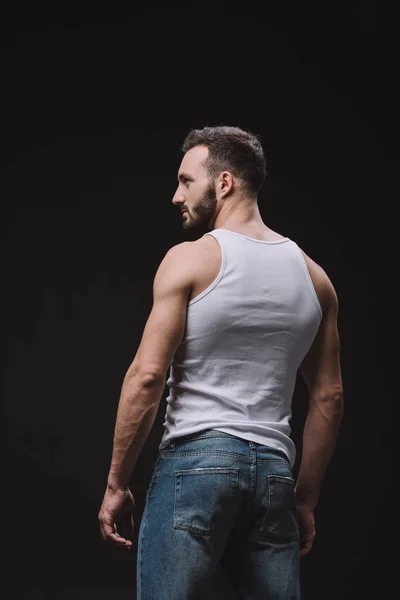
(192, 228)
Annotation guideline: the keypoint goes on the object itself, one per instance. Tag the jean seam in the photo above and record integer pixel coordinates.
(239, 457)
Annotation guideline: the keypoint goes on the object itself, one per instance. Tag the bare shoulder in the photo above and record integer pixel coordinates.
(175, 263)
(323, 285)
(185, 253)
(321, 365)
(205, 242)
(204, 251)
(180, 264)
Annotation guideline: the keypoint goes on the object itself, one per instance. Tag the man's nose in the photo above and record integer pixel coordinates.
(178, 198)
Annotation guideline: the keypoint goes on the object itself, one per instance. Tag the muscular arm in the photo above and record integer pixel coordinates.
(322, 374)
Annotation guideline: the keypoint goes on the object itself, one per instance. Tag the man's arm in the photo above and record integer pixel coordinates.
(136, 413)
(137, 410)
(144, 381)
(143, 386)
(322, 374)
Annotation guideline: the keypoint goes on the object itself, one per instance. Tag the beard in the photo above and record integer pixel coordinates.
(201, 217)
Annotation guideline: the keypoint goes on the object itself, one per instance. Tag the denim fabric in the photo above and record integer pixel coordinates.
(216, 499)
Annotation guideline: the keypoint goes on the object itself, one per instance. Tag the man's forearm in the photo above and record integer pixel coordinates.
(319, 438)
(136, 413)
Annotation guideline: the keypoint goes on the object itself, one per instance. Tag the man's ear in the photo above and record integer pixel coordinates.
(225, 183)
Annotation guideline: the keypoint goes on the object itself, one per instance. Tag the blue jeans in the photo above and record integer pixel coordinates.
(216, 499)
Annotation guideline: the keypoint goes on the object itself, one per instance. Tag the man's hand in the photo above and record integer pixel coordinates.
(117, 504)
(305, 514)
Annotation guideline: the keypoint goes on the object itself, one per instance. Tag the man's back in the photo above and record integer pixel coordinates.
(252, 317)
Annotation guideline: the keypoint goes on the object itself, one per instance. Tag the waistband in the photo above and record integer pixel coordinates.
(214, 433)
(206, 433)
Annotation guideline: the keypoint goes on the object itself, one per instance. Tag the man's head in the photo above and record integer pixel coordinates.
(223, 168)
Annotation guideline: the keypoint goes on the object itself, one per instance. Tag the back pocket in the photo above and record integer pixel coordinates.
(280, 521)
(204, 498)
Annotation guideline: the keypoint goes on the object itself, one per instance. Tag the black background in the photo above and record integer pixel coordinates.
(93, 115)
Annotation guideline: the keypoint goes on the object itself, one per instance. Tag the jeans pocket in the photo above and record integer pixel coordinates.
(280, 521)
(204, 498)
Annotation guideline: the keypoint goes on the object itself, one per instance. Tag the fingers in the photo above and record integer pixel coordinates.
(305, 548)
(117, 506)
(306, 543)
(110, 534)
(114, 537)
(119, 541)
(128, 525)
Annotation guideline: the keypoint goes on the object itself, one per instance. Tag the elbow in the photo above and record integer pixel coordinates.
(329, 401)
(143, 378)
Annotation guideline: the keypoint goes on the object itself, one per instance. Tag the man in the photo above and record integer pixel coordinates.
(236, 314)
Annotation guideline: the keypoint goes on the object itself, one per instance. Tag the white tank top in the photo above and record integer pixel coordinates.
(246, 336)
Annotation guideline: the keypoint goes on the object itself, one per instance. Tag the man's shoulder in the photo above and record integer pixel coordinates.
(188, 250)
(322, 283)
(178, 261)
(178, 252)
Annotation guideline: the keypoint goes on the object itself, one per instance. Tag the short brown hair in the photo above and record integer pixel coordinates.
(232, 149)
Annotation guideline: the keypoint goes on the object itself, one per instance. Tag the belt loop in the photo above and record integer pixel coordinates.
(172, 445)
